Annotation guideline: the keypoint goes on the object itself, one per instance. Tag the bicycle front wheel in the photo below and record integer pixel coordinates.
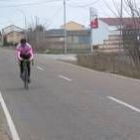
(26, 79)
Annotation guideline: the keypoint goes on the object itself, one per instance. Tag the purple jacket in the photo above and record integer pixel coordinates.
(26, 50)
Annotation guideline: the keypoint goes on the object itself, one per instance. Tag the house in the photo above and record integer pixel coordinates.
(107, 35)
(75, 38)
(14, 37)
(114, 23)
(12, 34)
(72, 26)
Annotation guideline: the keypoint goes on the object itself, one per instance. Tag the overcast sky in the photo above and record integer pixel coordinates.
(50, 12)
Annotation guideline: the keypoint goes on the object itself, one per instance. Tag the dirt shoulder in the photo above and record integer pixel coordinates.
(4, 132)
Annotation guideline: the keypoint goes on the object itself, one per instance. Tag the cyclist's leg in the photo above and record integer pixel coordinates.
(29, 69)
(21, 65)
(21, 68)
(27, 57)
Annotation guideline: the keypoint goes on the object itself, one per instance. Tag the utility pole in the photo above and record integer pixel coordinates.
(65, 30)
(2, 33)
(26, 32)
(121, 13)
(121, 25)
(36, 30)
(91, 40)
(25, 22)
(121, 8)
(93, 25)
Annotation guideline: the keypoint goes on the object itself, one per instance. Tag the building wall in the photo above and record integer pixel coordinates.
(14, 37)
(55, 39)
(100, 34)
(73, 26)
(78, 39)
(72, 41)
(103, 32)
(113, 30)
(11, 28)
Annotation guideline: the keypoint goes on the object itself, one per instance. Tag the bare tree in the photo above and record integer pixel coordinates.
(36, 36)
(131, 34)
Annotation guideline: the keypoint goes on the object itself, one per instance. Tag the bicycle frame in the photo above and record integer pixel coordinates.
(25, 74)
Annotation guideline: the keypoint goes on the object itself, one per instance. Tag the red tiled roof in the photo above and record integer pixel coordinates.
(127, 22)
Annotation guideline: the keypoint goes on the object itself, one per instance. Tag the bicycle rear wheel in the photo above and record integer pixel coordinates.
(26, 79)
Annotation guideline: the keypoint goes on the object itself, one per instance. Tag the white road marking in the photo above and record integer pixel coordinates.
(12, 127)
(40, 68)
(66, 78)
(125, 104)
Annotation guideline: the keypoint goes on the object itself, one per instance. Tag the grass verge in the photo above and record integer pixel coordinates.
(111, 63)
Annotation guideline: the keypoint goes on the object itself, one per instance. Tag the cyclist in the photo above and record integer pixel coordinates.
(24, 51)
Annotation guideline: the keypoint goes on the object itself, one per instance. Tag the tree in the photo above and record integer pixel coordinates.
(36, 36)
(131, 34)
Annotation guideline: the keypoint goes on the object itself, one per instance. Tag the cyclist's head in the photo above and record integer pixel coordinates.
(23, 42)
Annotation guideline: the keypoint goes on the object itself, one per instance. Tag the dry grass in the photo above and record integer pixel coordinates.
(3, 135)
(4, 132)
(110, 62)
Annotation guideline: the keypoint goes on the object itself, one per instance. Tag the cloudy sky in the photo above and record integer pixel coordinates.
(50, 12)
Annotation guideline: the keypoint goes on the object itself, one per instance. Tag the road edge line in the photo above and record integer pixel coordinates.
(10, 122)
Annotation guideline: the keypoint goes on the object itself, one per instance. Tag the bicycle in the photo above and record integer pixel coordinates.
(25, 75)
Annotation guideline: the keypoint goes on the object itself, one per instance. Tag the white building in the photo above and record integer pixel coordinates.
(107, 35)
(12, 34)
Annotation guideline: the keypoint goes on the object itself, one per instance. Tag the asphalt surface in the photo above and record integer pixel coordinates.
(67, 102)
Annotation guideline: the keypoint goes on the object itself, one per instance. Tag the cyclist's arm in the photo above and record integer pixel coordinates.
(31, 52)
(18, 56)
(18, 52)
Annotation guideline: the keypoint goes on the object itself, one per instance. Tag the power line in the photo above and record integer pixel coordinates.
(52, 17)
(56, 13)
(36, 3)
(30, 4)
(109, 7)
(6, 1)
(86, 5)
(103, 10)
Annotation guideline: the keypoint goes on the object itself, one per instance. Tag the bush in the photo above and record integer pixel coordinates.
(110, 62)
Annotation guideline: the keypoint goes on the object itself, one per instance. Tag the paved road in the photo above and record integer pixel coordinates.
(67, 102)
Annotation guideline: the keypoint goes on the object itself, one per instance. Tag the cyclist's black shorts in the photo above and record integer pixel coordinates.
(27, 56)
